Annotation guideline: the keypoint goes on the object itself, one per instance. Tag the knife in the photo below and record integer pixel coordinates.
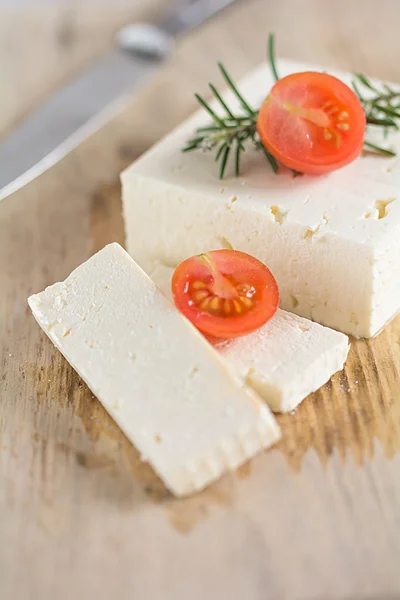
(90, 100)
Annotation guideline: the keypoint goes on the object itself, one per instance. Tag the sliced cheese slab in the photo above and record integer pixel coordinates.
(332, 241)
(166, 387)
(284, 361)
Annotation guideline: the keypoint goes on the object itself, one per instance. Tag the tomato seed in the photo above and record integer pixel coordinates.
(200, 295)
(227, 307)
(199, 285)
(205, 303)
(238, 306)
(215, 303)
(248, 303)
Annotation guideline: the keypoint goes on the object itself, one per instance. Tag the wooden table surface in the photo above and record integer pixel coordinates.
(318, 517)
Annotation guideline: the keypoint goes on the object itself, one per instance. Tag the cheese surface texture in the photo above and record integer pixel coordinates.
(286, 360)
(166, 387)
(332, 241)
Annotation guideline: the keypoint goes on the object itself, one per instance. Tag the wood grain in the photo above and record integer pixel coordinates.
(318, 517)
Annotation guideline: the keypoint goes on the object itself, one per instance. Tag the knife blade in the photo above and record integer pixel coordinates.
(88, 101)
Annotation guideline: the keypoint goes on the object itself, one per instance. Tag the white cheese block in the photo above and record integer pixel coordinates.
(332, 242)
(166, 387)
(284, 361)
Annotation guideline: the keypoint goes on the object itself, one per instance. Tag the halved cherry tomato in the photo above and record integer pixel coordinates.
(312, 122)
(225, 293)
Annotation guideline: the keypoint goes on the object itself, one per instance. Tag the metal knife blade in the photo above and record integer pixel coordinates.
(67, 116)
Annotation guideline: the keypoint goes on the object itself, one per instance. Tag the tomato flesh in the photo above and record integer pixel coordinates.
(225, 293)
(312, 122)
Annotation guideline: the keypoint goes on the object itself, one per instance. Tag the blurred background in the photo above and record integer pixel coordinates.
(45, 42)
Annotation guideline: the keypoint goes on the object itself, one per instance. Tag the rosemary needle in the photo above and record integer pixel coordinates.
(235, 90)
(271, 159)
(366, 82)
(209, 110)
(271, 55)
(221, 100)
(237, 157)
(224, 161)
(219, 152)
(385, 151)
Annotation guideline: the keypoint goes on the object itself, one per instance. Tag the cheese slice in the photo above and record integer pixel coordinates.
(332, 241)
(161, 381)
(284, 361)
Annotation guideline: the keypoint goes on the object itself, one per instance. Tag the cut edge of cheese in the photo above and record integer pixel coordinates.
(318, 372)
(69, 318)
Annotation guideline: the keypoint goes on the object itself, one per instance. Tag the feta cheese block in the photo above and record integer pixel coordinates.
(167, 388)
(286, 360)
(331, 241)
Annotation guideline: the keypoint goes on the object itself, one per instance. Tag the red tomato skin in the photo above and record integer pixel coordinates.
(281, 149)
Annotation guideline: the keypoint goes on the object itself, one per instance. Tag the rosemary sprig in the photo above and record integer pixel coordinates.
(231, 133)
(381, 106)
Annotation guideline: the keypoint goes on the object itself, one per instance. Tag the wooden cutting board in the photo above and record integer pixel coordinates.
(316, 518)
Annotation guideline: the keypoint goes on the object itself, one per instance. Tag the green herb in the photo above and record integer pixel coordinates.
(378, 149)
(271, 56)
(231, 131)
(381, 105)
